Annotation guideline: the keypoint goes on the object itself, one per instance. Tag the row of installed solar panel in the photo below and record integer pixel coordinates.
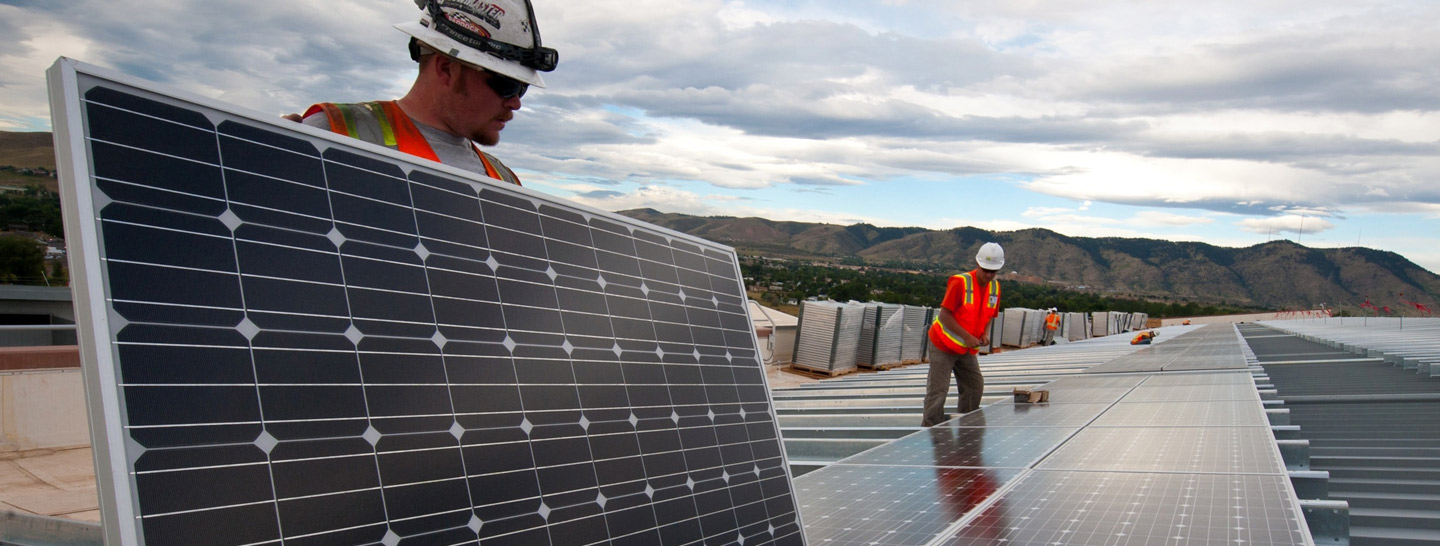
(1128, 458)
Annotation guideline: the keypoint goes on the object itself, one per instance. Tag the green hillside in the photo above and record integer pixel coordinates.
(1275, 275)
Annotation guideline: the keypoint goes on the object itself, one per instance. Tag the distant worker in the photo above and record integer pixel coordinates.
(1052, 323)
(1143, 338)
(476, 60)
(960, 328)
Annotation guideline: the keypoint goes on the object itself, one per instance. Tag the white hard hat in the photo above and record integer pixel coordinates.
(497, 35)
(991, 256)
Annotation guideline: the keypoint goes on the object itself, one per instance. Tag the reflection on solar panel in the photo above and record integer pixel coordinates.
(1214, 347)
(1182, 414)
(1192, 379)
(293, 339)
(1096, 382)
(1116, 459)
(1080, 395)
(1046, 508)
(1175, 449)
(1170, 393)
(952, 445)
(1032, 415)
(863, 505)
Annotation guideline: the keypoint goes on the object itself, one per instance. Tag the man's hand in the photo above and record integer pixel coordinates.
(297, 118)
(970, 340)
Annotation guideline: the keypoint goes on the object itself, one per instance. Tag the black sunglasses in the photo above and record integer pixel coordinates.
(505, 86)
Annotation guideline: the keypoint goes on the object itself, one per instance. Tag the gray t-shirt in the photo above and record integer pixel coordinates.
(455, 151)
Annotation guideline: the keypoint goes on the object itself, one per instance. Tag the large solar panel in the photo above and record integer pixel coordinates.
(1067, 395)
(1220, 413)
(951, 445)
(1213, 347)
(1115, 459)
(1193, 393)
(848, 505)
(1032, 415)
(1234, 450)
(1125, 509)
(1193, 379)
(1095, 382)
(292, 337)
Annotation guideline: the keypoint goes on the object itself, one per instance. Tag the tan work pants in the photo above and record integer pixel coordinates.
(966, 369)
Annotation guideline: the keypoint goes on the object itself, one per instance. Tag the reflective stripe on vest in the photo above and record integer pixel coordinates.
(384, 123)
(968, 283)
(994, 291)
(957, 341)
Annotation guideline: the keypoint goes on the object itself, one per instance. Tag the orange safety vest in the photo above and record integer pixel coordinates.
(384, 123)
(1052, 322)
(972, 316)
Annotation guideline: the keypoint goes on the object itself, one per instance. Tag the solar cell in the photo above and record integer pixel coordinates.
(1032, 415)
(302, 338)
(1208, 348)
(1174, 449)
(1067, 395)
(863, 505)
(951, 445)
(1046, 508)
(1192, 379)
(1192, 393)
(1093, 382)
(1177, 414)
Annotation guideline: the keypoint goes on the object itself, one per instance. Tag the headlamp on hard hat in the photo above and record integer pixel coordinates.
(539, 58)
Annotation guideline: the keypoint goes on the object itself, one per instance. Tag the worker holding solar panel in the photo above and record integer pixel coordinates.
(961, 327)
(476, 59)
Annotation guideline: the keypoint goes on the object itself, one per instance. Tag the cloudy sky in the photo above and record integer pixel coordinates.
(1227, 122)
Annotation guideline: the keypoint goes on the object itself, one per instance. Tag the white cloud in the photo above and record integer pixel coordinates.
(1158, 218)
(1292, 223)
(35, 43)
(1317, 107)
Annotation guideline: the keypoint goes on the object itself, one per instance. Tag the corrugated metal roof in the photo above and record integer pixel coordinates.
(1361, 391)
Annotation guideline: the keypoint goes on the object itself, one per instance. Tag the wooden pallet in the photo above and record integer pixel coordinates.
(815, 374)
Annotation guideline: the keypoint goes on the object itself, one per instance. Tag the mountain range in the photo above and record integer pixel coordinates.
(1278, 274)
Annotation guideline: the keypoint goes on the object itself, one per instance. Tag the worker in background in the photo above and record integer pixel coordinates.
(1052, 323)
(1143, 338)
(476, 60)
(961, 327)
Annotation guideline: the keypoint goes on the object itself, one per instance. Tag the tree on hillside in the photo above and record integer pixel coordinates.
(36, 209)
(851, 290)
(22, 260)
